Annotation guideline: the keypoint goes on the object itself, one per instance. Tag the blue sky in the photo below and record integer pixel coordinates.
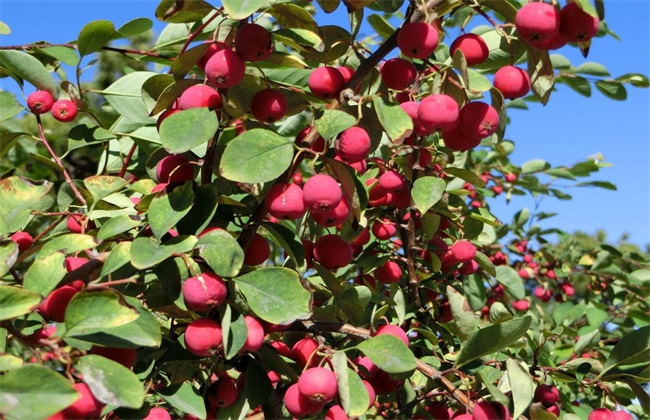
(569, 129)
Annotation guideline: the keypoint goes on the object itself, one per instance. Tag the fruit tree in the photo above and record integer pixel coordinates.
(278, 217)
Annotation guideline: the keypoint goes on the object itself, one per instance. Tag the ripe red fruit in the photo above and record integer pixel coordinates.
(478, 119)
(253, 42)
(554, 409)
(336, 412)
(411, 109)
(223, 392)
(225, 69)
(72, 263)
(321, 192)
(298, 405)
(199, 96)
(512, 81)
(553, 43)
(353, 144)
(622, 415)
(318, 145)
(383, 383)
(332, 252)
(204, 292)
(346, 72)
(384, 229)
(458, 141)
(547, 395)
(474, 48)
(258, 251)
(395, 331)
(601, 414)
(254, 335)
(209, 52)
(521, 305)
(438, 112)
(543, 294)
(333, 217)
(398, 73)
(268, 105)
(417, 39)
(174, 168)
(372, 395)
(87, 406)
(463, 251)
(303, 349)
(285, 201)
(55, 304)
(390, 272)
(64, 110)
(23, 239)
(318, 384)
(326, 82)
(537, 22)
(392, 181)
(40, 102)
(203, 337)
(158, 413)
(367, 367)
(576, 25)
(490, 410)
(125, 357)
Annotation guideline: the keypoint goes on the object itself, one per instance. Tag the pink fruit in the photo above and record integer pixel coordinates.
(537, 22)
(511, 177)
(621, 415)
(285, 201)
(547, 395)
(384, 229)
(203, 337)
(318, 146)
(346, 72)
(73, 263)
(40, 102)
(438, 112)
(474, 48)
(199, 96)
(158, 413)
(223, 392)
(372, 395)
(204, 292)
(367, 368)
(268, 105)
(576, 25)
(383, 383)
(601, 414)
(321, 192)
(512, 81)
(298, 405)
(333, 217)
(490, 410)
(254, 334)
(463, 251)
(87, 406)
(411, 109)
(478, 119)
(253, 42)
(388, 273)
(225, 69)
(353, 144)
(521, 305)
(336, 412)
(64, 110)
(332, 252)
(209, 52)
(393, 330)
(553, 43)
(55, 304)
(468, 268)
(554, 409)
(318, 384)
(439, 411)
(417, 39)
(398, 73)
(23, 239)
(303, 350)
(326, 82)
(174, 168)
(392, 181)
(125, 357)
(258, 251)
(543, 294)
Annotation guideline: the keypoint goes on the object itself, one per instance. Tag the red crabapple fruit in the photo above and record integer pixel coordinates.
(298, 405)
(174, 168)
(490, 410)
(392, 181)
(576, 25)
(438, 112)
(388, 273)
(336, 412)
(353, 144)
(332, 252)
(204, 292)
(417, 39)
(474, 48)
(285, 201)
(268, 105)
(209, 52)
(537, 22)
(258, 251)
(23, 239)
(40, 102)
(253, 42)
(203, 337)
(199, 96)
(326, 82)
(463, 251)
(55, 304)
(346, 72)
(393, 330)
(225, 69)
(411, 109)
(223, 392)
(125, 357)
(64, 110)
(318, 384)
(478, 119)
(254, 335)
(547, 395)
(303, 351)
(317, 146)
(321, 192)
(87, 406)
(398, 73)
(158, 413)
(512, 81)
(383, 229)
(333, 217)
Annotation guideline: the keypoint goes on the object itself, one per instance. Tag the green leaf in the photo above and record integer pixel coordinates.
(393, 118)
(389, 353)
(492, 339)
(90, 312)
(34, 392)
(110, 382)
(200, 216)
(28, 68)
(593, 69)
(577, 83)
(328, 6)
(120, 257)
(221, 252)
(125, 96)
(535, 165)
(94, 36)
(101, 186)
(463, 316)
(241, 9)
(509, 278)
(632, 349)
(256, 156)
(166, 209)
(485, 263)
(352, 392)
(8, 255)
(542, 75)
(275, 294)
(69, 243)
(19, 198)
(67, 55)
(235, 332)
(257, 387)
(613, 90)
(186, 398)
(16, 301)
(147, 252)
(300, 38)
(334, 122)
(135, 27)
(381, 26)
(427, 192)
(188, 129)
(173, 11)
(539, 412)
(635, 79)
(45, 273)
(288, 241)
(4, 29)
(466, 175)
(522, 385)
(640, 276)
(9, 105)
(116, 226)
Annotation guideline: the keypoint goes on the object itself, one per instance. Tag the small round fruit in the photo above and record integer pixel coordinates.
(318, 384)
(209, 52)
(199, 96)
(268, 105)
(253, 42)
(512, 81)
(258, 251)
(463, 251)
(285, 201)
(438, 112)
(317, 146)
(321, 192)
(203, 337)
(174, 168)
(537, 22)
(326, 82)
(398, 73)
(346, 72)
(521, 305)
(384, 229)
(225, 69)
(417, 39)
(478, 119)
(547, 395)
(392, 181)
(333, 217)
(23, 239)
(372, 395)
(303, 350)
(332, 252)
(353, 145)
(474, 48)
(87, 406)
(40, 102)
(254, 334)
(298, 405)
(55, 304)
(125, 357)
(336, 412)
(158, 413)
(388, 273)
(204, 292)
(64, 110)
(576, 25)
(601, 414)
(490, 410)
(393, 330)
(411, 109)
(223, 392)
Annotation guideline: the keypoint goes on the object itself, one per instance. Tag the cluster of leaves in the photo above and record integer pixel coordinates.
(485, 334)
